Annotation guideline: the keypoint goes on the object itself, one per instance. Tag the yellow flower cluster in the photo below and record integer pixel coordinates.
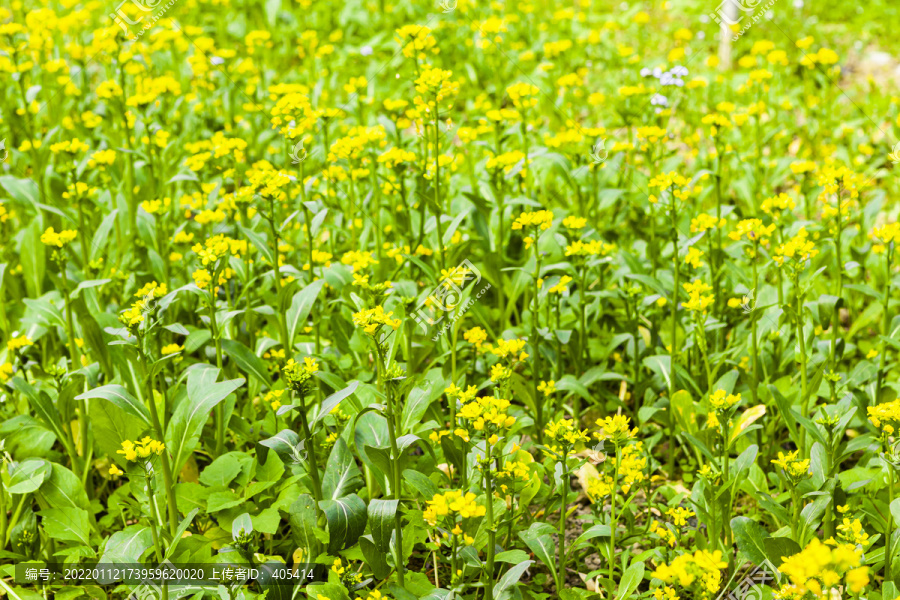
(17, 343)
(886, 234)
(511, 349)
(523, 95)
(631, 465)
(452, 504)
(698, 300)
(371, 320)
(799, 247)
(298, 375)
(698, 575)
(488, 412)
(884, 414)
(52, 238)
(820, 570)
(795, 468)
(722, 400)
(218, 246)
(542, 219)
(753, 230)
(132, 451)
(617, 429)
(566, 433)
(705, 222)
(591, 248)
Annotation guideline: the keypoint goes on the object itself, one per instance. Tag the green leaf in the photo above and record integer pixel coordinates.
(381, 522)
(44, 409)
(203, 394)
(221, 471)
(63, 489)
(29, 476)
(70, 524)
(749, 536)
(341, 476)
(537, 538)
(119, 396)
(331, 402)
(257, 240)
(248, 362)
(128, 545)
(33, 257)
(512, 556)
(510, 579)
(302, 518)
(421, 483)
(346, 521)
(242, 525)
(375, 558)
(417, 402)
(631, 579)
(283, 443)
(779, 548)
(301, 304)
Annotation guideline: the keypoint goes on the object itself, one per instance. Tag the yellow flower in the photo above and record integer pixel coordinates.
(17, 343)
(51, 238)
(143, 448)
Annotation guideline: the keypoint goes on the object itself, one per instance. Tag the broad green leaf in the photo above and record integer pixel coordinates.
(537, 538)
(332, 402)
(779, 548)
(302, 518)
(69, 524)
(341, 475)
(346, 521)
(128, 545)
(631, 579)
(63, 489)
(510, 579)
(248, 362)
(749, 536)
(29, 476)
(119, 396)
(375, 558)
(186, 424)
(301, 304)
(381, 522)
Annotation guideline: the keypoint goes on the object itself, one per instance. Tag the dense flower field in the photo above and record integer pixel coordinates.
(448, 300)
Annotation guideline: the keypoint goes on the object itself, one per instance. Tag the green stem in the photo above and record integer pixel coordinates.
(885, 322)
(489, 510)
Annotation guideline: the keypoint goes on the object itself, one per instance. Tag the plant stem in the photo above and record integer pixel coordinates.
(888, 549)
(561, 575)
(885, 322)
(612, 517)
(489, 513)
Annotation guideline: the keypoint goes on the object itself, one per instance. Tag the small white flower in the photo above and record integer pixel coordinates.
(216, 60)
(646, 72)
(366, 50)
(659, 100)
